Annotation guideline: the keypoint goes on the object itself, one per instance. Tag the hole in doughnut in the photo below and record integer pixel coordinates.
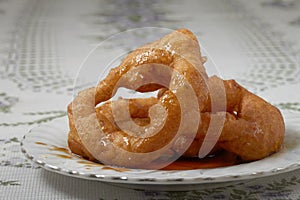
(124, 93)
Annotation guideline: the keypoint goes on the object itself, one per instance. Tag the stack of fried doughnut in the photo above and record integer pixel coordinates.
(188, 100)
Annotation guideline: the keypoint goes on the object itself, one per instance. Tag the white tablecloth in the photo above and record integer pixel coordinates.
(43, 43)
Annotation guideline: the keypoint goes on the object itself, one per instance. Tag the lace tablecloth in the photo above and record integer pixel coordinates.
(43, 43)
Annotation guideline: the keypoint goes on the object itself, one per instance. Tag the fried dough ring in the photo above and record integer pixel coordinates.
(138, 109)
(190, 76)
(262, 125)
(253, 128)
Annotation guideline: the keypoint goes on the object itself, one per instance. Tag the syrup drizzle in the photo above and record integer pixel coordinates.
(221, 159)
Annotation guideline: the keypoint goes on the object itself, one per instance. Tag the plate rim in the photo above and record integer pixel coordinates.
(148, 181)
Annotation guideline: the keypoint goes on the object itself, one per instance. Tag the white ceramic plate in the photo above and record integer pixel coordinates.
(46, 145)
